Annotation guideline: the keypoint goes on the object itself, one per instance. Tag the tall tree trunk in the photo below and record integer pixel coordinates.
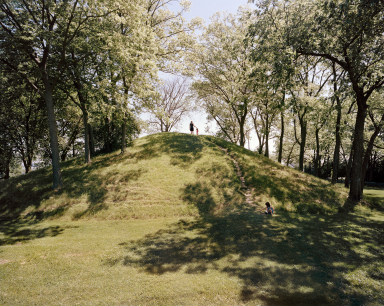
(54, 141)
(317, 157)
(267, 136)
(368, 153)
(91, 140)
(241, 120)
(87, 154)
(348, 168)
(64, 155)
(123, 136)
(7, 169)
(7, 164)
(336, 153)
(303, 129)
(107, 143)
(26, 158)
(281, 137)
(289, 155)
(355, 191)
(29, 163)
(242, 133)
(373, 165)
(83, 106)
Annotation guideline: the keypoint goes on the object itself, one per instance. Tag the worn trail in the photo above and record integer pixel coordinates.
(248, 194)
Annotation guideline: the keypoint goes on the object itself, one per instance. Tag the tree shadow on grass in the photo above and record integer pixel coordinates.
(281, 260)
(22, 231)
(263, 175)
(30, 190)
(30, 197)
(20, 192)
(375, 201)
(96, 186)
(183, 149)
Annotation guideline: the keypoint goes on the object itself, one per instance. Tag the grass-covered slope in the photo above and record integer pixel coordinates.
(163, 175)
(228, 255)
(288, 189)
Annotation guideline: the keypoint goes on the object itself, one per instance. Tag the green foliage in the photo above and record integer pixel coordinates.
(107, 135)
(222, 63)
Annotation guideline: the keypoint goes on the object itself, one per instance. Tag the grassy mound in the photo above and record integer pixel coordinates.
(225, 254)
(288, 189)
(165, 175)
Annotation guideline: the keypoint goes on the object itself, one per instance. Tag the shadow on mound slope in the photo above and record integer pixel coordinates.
(288, 189)
(28, 195)
(182, 148)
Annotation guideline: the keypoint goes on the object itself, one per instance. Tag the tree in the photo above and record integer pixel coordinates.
(376, 116)
(223, 86)
(172, 104)
(158, 42)
(310, 79)
(42, 32)
(347, 33)
(338, 99)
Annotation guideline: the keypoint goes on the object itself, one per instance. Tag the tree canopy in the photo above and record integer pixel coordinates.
(305, 77)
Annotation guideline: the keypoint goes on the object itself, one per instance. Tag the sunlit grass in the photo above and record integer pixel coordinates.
(234, 259)
(287, 189)
(374, 197)
(167, 224)
(165, 175)
(152, 180)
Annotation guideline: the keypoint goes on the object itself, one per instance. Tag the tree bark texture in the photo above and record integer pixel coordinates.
(317, 156)
(267, 136)
(91, 140)
(336, 153)
(303, 129)
(242, 133)
(348, 169)
(123, 136)
(54, 141)
(281, 138)
(355, 191)
(87, 154)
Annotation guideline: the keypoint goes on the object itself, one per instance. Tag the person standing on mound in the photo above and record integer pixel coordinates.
(191, 125)
(197, 131)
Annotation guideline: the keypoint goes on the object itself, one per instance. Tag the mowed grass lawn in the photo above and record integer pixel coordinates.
(243, 258)
(167, 224)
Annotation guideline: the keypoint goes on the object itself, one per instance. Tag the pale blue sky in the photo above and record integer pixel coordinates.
(206, 8)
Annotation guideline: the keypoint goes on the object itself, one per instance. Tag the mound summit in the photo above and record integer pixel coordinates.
(166, 174)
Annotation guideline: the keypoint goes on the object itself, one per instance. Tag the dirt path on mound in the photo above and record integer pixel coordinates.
(248, 194)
